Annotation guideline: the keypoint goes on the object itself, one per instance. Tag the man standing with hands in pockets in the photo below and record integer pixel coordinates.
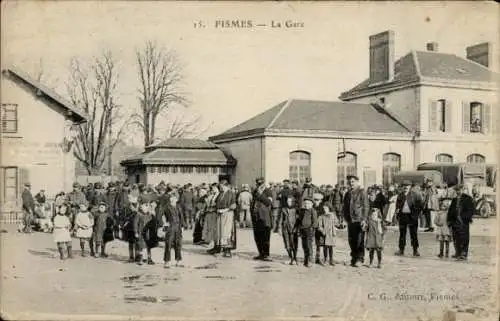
(356, 208)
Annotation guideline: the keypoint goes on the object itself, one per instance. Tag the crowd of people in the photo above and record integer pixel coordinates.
(143, 216)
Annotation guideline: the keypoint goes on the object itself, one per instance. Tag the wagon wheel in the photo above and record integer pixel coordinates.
(485, 210)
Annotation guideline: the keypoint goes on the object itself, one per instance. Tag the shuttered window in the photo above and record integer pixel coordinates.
(439, 116)
(476, 159)
(444, 158)
(10, 184)
(346, 165)
(477, 118)
(391, 165)
(9, 118)
(300, 165)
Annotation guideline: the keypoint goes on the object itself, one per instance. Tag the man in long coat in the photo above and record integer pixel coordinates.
(28, 207)
(355, 210)
(262, 203)
(408, 208)
(460, 215)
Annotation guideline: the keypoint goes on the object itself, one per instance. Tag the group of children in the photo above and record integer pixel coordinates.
(142, 225)
(316, 221)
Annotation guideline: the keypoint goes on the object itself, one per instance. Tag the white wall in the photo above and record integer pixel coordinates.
(402, 103)
(36, 145)
(181, 178)
(324, 156)
(250, 156)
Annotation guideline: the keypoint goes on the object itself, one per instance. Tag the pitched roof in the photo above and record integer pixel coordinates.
(184, 143)
(421, 65)
(76, 115)
(181, 151)
(322, 116)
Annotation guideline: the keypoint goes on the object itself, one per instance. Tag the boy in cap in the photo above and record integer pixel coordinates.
(172, 221)
(128, 229)
(103, 232)
(306, 224)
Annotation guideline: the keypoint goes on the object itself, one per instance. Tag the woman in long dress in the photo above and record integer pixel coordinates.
(226, 204)
(210, 223)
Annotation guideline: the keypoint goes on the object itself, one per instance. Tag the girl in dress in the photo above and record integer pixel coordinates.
(84, 221)
(443, 235)
(375, 231)
(326, 226)
(61, 231)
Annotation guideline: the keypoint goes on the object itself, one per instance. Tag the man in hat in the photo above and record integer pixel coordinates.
(262, 203)
(355, 210)
(408, 208)
(74, 199)
(244, 202)
(459, 219)
(28, 207)
(431, 204)
(308, 190)
(187, 205)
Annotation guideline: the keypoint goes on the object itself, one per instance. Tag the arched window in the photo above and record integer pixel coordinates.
(300, 165)
(444, 158)
(391, 165)
(346, 165)
(476, 159)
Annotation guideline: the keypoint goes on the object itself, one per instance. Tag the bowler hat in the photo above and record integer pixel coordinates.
(27, 184)
(308, 180)
(102, 203)
(75, 184)
(307, 198)
(259, 180)
(349, 177)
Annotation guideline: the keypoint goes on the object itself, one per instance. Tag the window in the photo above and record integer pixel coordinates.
(444, 158)
(300, 165)
(440, 116)
(476, 159)
(10, 183)
(215, 170)
(477, 117)
(186, 169)
(391, 165)
(174, 169)
(151, 169)
(202, 169)
(9, 118)
(346, 165)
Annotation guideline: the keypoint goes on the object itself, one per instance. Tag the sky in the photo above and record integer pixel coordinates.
(232, 75)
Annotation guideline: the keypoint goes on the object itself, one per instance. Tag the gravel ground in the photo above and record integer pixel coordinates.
(37, 285)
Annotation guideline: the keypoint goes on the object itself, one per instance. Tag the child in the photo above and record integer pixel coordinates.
(319, 238)
(144, 233)
(128, 229)
(443, 234)
(61, 231)
(172, 225)
(375, 236)
(306, 223)
(326, 227)
(103, 229)
(287, 219)
(84, 221)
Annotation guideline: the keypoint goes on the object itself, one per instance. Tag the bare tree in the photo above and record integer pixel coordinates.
(160, 75)
(93, 89)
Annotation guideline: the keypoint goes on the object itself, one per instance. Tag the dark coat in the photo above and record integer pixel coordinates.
(103, 227)
(461, 215)
(28, 202)
(356, 205)
(127, 217)
(187, 200)
(307, 219)
(262, 207)
(414, 203)
(146, 227)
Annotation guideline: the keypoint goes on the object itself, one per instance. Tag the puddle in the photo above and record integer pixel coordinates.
(314, 316)
(266, 267)
(42, 254)
(207, 267)
(150, 285)
(130, 278)
(3, 231)
(220, 277)
(151, 299)
(269, 270)
(170, 279)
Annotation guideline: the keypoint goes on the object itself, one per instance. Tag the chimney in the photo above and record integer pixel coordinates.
(481, 53)
(432, 46)
(382, 57)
